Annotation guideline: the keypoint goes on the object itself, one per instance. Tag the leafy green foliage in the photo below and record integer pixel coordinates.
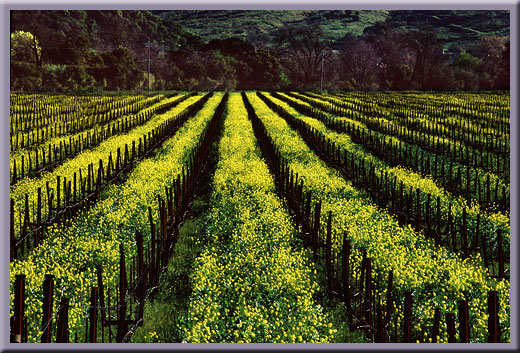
(114, 49)
(121, 71)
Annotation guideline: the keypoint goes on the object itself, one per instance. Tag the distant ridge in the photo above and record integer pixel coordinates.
(463, 27)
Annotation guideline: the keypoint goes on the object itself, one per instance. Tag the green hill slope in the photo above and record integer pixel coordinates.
(463, 27)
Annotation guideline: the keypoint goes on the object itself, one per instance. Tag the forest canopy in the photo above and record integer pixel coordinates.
(74, 51)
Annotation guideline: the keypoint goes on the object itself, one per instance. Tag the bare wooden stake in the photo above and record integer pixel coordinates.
(62, 333)
(389, 296)
(450, 322)
(48, 289)
(328, 253)
(315, 236)
(463, 321)
(493, 320)
(368, 295)
(408, 317)
(19, 307)
(93, 314)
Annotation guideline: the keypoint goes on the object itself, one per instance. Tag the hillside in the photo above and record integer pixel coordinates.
(85, 50)
(463, 27)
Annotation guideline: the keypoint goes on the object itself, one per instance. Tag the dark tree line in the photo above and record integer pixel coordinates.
(416, 60)
(76, 51)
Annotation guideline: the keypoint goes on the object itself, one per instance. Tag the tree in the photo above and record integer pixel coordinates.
(395, 59)
(25, 76)
(121, 71)
(302, 50)
(201, 70)
(359, 63)
(185, 69)
(503, 77)
(255, 68)
(491, 50)
(428, 54)
(466, 69)
(25, 61)
(53, 30)
(25, 47)
(65, 47)
(221, 71)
